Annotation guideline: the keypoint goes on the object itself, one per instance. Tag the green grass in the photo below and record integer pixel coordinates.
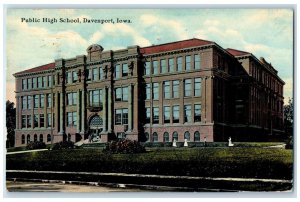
(209, 162)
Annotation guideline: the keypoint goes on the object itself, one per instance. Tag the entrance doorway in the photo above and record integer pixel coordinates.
(95, 128)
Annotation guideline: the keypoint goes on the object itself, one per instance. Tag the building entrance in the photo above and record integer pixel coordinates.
(95, 128)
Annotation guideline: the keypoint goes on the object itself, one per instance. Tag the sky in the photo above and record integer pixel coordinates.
(265, 33)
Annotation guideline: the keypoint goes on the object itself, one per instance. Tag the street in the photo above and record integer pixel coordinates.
(18, 186)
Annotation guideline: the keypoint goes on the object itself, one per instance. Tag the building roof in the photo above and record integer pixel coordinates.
(37, 69)
(235, 52)
(174, 46)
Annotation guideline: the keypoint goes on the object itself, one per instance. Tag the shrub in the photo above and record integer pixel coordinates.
(63, 145)
(289, 143)
(124, 146)
(36, 145)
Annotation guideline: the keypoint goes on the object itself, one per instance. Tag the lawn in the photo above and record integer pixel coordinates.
(208, 162)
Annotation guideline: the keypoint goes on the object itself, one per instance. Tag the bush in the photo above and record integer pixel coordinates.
(36, 145)
(289, 143)
(124, 146)
(63, 145)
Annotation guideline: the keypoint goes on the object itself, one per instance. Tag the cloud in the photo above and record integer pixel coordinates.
(162, 26)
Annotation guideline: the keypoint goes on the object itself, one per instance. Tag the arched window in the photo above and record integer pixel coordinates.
(35, 137)
(147, 137)
(166, 137)
(48, 138)
(69, 137)
(41, 138)
(187, 136)
(28, 138)
(23, 139)
(175, 136)
(155, 137)
(96, 122)
(197, 136)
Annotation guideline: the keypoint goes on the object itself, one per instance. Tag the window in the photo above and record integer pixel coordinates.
(121, 135)
(147, 137)
(101, 73)
(155, 67)
(28, 138)
(36, 121)
(147, 68)
(29, 102)
(155, 91)
(95, 74)
(124, 116)
(118, 117)
(24, 84)
(121, 116)
(95, 98)
(166, 114)
(34, 83)
(39, 83)
(36, 101)
(72, 118)
(187, 62)
(24, 102)
(163, 66)
(23, 121)
(49, 80)
(179, 64)
(41, 138)
(166, 137)
(124, 69)
(49, 120)
(166, 89)
(23, 139)
(117, 72)
(125, 93)
(176, 89)
(35, 138)
(42, 101)
(171, 64)
(29, 121)
(155, 137)
(71, 98)
(42, 121)
(118, 94)
(175, 136)
(197, 89)
(89, 74)
(197, 114)
(187, 113)
(74, 77)
(197, 62)
(29, 83)
(49, 100)
(148, 114)
(121, 94)
(155, 115)
(44, 82)
(187, 136)
(197, 136)
(176, 114)
(148, 91)
(48, 138)
(187, 87)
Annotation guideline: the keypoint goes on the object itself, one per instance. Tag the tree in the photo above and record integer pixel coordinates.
(10, 123)
(288, 111)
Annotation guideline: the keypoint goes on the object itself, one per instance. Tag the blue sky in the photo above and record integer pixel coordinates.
(266, 33)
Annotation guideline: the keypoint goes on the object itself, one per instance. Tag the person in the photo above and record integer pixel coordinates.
(205, 141)
(90, 138)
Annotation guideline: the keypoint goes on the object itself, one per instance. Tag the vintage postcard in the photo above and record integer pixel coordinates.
(149, 100)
